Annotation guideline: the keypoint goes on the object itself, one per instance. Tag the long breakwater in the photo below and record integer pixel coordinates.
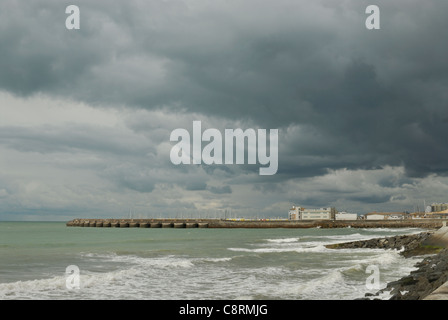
(227, 223)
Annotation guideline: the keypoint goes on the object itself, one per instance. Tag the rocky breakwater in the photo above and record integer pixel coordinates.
(407, 244)
(431, 272)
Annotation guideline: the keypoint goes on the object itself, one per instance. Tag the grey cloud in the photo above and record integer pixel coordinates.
(130, 176)
(194, 185)
(73, 138)
(372, 199)
(219, 190)
(351, 98)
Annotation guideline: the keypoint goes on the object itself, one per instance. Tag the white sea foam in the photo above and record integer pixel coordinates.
(329, 285)
(157, 262)
(55, 287)
(382, 260)
(342, 238)
(298, 249)
(30, 288)
(391, 230)
(346, 236)
(283, 240)
(213, 259)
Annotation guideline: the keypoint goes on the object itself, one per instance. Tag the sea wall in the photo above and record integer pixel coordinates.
(221, 223)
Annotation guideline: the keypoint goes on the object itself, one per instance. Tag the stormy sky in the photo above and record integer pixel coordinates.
(86, 115)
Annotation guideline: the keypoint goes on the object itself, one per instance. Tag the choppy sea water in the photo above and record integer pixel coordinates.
(133, 263)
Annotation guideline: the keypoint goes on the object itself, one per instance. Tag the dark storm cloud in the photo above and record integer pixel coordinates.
(371, 199)
(369, 98)
(220, 190)
(73, 139)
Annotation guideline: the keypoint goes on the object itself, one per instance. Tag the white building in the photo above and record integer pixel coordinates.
(300, 213)
(375, 217)
(317, 214)
(346, 216)
(385, 216)
(294, 213)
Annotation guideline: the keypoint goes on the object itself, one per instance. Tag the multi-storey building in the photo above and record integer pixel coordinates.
(300, 213)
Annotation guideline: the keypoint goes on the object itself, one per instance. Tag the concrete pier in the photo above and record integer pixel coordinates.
(179, 225)
(265, 223)
(191, 225)
(124, 224)
(167, 225)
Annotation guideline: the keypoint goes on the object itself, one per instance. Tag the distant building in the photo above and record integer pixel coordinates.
(294, 213)
(346, 216)
(300, 213)
(318, 214)
(437, 207)
(430, 215)
(374, 217)
(385, 216)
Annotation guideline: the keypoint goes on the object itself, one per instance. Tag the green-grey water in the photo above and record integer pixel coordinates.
(135, 263)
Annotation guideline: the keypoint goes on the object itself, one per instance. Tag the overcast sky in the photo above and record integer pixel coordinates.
(86, 115)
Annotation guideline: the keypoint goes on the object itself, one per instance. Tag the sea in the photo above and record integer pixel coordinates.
(50, 261)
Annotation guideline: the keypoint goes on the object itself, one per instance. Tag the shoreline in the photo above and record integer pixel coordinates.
(431, 272)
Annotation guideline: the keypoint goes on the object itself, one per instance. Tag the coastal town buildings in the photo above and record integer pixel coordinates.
(434, 211)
